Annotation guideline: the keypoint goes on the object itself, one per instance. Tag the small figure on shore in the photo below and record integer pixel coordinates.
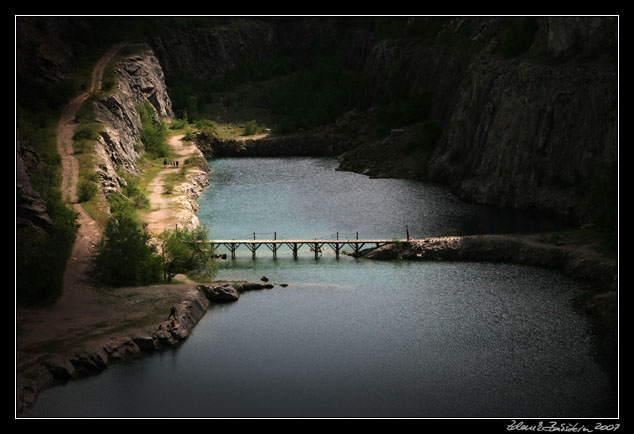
(177, 164)
(165, 163)
(172, 313)
(160, 327)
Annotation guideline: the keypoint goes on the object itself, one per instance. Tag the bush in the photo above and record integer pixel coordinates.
(125, 256)
(185, 250)
(251, 128)
(178, 124)
(86, 132)
(86, 190)
(153, 131)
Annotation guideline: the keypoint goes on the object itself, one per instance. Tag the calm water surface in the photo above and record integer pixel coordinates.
(355, 338)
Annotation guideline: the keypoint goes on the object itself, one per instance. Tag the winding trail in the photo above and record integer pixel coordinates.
(89, 233)
(85, 314)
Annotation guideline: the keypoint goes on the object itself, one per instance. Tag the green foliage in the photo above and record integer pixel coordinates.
(179, 124)
(153, 131)
(41, 258)
(86, 190)
(125, 256)
(133, 192)
(86, 132)
(185, 250)
(251, 128)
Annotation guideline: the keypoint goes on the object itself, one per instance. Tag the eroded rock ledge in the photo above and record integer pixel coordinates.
(51, 369)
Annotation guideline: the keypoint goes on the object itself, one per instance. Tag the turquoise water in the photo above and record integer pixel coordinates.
(357, 338)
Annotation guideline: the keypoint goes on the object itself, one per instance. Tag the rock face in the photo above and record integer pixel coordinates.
(522, 111)
(31, 209)
(215, 50)
(525, 130)
(140, 79)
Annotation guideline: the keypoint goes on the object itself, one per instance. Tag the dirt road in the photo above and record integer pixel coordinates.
(84, 314)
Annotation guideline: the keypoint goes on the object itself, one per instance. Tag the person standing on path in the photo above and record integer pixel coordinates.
(172, 313)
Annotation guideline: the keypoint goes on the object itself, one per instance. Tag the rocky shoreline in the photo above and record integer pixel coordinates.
(56, 369)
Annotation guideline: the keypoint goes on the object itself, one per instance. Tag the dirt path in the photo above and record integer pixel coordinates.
(89, 232)
(84, 314)
(164, 208)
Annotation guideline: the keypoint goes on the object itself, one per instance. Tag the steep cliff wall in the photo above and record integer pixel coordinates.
(140, 79)
(521, 126)
(512, 111)
(203, 52)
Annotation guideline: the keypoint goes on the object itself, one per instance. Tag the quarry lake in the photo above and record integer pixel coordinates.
(359, 338)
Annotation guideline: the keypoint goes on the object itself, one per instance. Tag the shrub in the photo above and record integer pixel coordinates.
(178, 124)
(153, 130)
(251, 128)
(125, 256)
(185, 250)
(86, 190)
(86, 132)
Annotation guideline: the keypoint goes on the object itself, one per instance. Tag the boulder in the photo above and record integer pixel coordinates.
(220, 293)
(145, 343)
(60, 367)
(252, 286)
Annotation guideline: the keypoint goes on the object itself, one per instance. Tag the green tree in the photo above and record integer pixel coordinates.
(185, 250)
(86, 190)
(125, 256)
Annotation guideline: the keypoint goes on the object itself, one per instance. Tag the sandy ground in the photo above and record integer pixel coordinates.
(164, 208)
(86, 312)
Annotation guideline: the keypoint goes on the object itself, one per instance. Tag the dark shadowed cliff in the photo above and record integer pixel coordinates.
(512, 111)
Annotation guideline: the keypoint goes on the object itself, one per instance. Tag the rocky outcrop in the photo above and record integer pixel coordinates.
(523, 129)
(205, 51)
(140, 79)
(220, 293)
(51, 369)
(231, 291)
(522, 250)
(31, 211)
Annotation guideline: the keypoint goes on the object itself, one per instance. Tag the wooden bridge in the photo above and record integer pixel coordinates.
(315, 245)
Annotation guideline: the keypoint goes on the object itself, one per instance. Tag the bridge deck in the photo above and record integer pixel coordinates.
(294, 245)
(305, 241)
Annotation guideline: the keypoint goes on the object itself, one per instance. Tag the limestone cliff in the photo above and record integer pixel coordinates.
(525, 127)
(139, 79)
(518, 111)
